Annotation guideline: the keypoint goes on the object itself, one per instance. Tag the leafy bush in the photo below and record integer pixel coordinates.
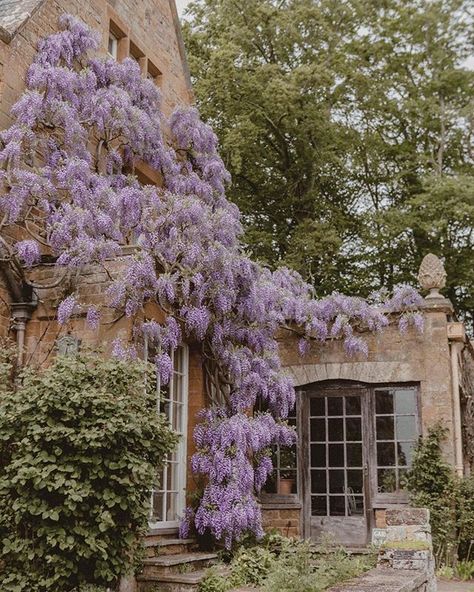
(286, 565)
(465, 570)
(301, 568)
(214, 581)
(433, 484)
(80, 444)
(252, 566)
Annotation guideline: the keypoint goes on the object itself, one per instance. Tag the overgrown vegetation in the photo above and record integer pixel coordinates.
(286, 565)
(346, 127)
(433, 484)
(80, 444)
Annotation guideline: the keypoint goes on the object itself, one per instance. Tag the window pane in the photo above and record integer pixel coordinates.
(318, 482)
(355, 505)
(383, 401)
(386, 480)
(336, 481)
(352, 405)
(319, 505)
(337, 505)
(318, 430)
(385, 428)
(386, 454)
(335, 406)
(336, 455)
(406, 427)
(402, 477)
(405, 401)
(317, 406)
(335, 430)
(157, 511)
(353, 429)
(318, 455)
(404, 453)
(354, 455)
(355, 481)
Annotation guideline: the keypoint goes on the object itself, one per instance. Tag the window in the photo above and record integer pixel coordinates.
(168, 498)
(137, 54)
(396, 429)
(117, 43)
(153, 73)
(120, 46)
(283, 479)
(112, 48)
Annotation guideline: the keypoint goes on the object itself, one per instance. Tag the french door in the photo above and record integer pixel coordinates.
(168, 498)
(334, 449)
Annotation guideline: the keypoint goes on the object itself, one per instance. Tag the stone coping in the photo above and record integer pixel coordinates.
(385, 580)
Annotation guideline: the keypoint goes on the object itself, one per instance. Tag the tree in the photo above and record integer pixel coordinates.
(336, 120)
(91, 120)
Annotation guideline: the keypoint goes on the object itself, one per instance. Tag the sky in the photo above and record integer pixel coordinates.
(181, 5)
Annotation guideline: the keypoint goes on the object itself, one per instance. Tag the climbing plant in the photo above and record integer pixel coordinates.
(68, 175)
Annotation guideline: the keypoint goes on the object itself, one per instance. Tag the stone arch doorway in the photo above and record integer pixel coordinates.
(355, 445)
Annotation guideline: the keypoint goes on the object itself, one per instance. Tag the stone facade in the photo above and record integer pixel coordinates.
(151, 26)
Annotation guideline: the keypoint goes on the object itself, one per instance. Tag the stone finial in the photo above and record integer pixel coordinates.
(432, 275)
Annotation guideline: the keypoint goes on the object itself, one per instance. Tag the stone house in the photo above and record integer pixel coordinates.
(357, 419)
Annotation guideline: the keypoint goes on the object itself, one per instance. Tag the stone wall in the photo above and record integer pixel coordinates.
(281, 518)
(393, 357)
(405, 561)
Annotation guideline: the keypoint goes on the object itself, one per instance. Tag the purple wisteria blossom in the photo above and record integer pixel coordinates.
(184, 254)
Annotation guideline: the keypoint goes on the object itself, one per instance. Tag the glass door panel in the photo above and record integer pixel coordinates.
(337, 461)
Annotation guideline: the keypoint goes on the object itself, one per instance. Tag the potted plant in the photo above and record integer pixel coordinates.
(287, 478)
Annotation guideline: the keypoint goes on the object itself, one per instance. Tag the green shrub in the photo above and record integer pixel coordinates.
(302, 568)
(279, 564)
(214, 581)
(80, 444)
(432, 484)
(465, 570)
(251, 566)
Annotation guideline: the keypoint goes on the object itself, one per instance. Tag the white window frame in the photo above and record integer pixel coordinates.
(181, 449)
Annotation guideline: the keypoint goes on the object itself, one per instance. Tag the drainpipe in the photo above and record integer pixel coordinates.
(21, 312)
(456, 336)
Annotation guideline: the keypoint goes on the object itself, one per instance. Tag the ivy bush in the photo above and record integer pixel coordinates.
(433, 484)
(80, 445)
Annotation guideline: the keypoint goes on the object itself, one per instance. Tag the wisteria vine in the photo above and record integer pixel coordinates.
(68, 174)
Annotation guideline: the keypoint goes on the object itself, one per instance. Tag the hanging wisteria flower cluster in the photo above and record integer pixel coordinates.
(68, 176)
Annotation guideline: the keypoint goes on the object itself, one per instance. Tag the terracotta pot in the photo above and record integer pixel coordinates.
(285, 486)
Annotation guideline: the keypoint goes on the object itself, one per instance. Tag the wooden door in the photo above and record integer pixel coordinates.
(334, 457)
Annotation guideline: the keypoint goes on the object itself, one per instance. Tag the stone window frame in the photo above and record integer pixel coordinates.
(127, 46)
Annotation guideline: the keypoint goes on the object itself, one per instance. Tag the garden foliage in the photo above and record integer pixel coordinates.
(92, 120)
(286, 565)
(80, 446)
(347, 129)
(433, 484)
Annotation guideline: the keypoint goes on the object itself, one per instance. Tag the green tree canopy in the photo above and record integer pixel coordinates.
(347, 127)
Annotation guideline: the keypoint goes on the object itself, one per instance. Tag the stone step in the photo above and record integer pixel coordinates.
(186, 582)
(168, 546)
(180, 564)
(173, 582)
